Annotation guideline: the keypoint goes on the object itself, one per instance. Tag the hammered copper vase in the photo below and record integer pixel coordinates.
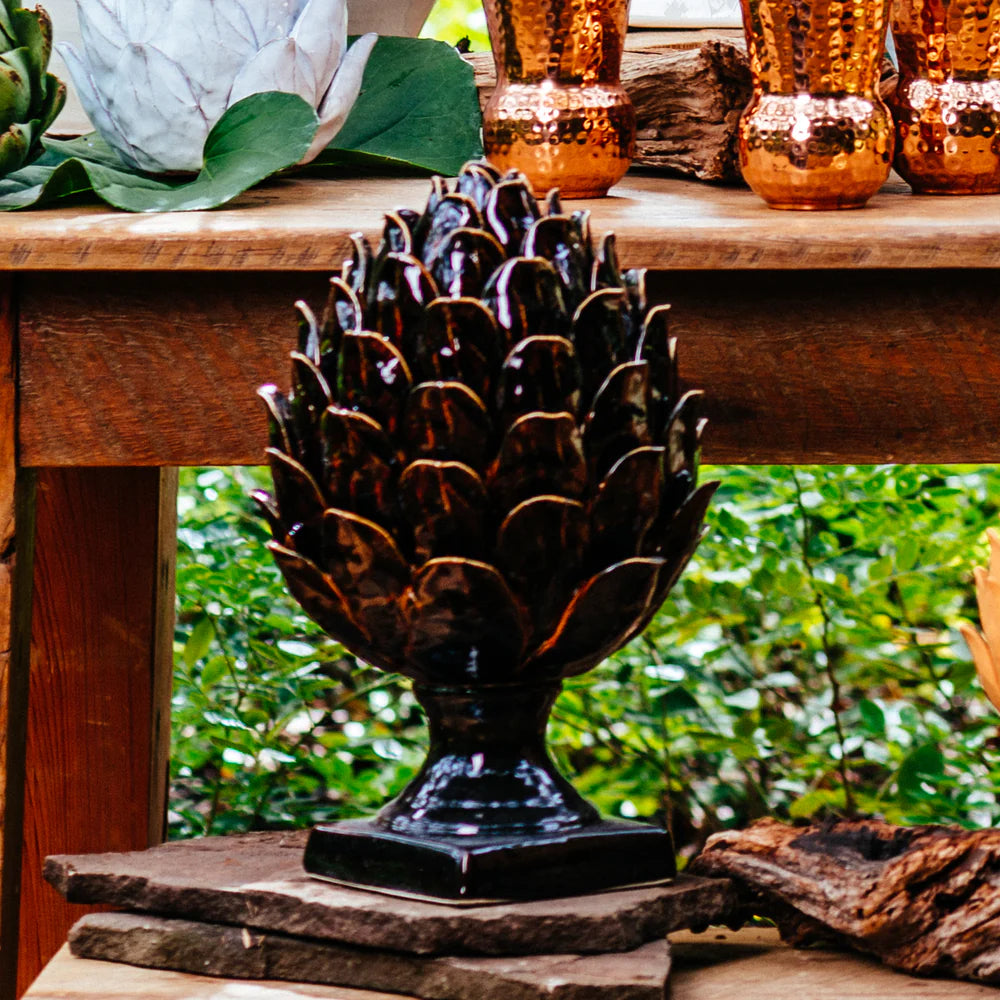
(559, 113)
(816, 134)
(947, 103)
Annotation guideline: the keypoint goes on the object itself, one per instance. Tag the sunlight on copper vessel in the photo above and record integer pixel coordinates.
(947, 104)
(815, 135)
(559, 113)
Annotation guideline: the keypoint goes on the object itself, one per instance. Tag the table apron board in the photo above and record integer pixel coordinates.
(829, 366)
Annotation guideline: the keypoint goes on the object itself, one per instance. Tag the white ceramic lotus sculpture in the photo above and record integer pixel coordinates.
(156, 75)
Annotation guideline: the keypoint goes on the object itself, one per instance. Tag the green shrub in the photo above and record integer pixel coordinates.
(806, 664)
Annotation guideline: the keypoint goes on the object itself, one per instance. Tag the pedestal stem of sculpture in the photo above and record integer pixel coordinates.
(559, 112)
(489, 817)
(816, 134)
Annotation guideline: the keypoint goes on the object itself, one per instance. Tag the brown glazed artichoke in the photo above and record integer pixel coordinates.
(485, 480)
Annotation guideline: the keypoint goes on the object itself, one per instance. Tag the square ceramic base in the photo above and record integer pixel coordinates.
(465, 871)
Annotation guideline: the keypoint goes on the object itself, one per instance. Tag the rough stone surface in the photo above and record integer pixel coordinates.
(234, 952)
(924, 900)
(257, 880)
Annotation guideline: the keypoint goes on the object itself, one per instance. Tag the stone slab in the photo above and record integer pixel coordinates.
(234, 952)
(257, 881)
(751, 964)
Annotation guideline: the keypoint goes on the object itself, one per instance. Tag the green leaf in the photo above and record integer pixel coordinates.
(872, 717)
(255, 138)
(199, 641)
(748, 699)
(815, 801)
(418, 107)
(677, 699)
(925, 764)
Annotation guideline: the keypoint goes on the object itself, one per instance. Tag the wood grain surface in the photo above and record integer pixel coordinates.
(922, 899)
(834, 367)
(718, 965)
(302, 224)
(16, 554)
(96, 650)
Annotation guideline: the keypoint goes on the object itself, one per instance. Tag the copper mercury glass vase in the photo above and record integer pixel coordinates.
(816, 134)
(559, 113)
(947, 103)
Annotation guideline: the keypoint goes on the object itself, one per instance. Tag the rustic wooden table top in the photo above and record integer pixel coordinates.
(302, 224)
(136, 342)
(718, 965)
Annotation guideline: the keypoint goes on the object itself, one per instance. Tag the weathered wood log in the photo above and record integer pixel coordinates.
(925, 900)
(688, 88)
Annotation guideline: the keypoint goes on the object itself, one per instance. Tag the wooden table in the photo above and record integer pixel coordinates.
(133, 344)
(717, 965)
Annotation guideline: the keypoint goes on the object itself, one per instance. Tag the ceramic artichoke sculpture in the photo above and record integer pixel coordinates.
(30, 97)
(156, 75)
(985, 646)
(485, 472)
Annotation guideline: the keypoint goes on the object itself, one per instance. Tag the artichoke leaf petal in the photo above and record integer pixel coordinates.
(542, 551)
(447, 507)
(16, 85)
(603, 611)
(49, 106)
(14, 146)
(463, 624)
(318, 596)
(34, 32)
(362, 558)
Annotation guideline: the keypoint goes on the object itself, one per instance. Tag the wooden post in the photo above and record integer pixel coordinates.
(99, 705)
(16, 540)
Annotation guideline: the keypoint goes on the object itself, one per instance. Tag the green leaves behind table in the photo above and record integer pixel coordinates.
(812, 638)
(417, 111)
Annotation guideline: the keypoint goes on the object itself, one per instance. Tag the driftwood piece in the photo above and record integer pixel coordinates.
(688, 89)
(257, 880)
(239, 953)
(925, 900)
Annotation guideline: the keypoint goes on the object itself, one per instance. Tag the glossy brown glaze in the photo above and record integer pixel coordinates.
(484, 492)
(449, 426)
(559, 112)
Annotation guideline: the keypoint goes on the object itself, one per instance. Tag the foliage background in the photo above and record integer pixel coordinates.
(806, 664)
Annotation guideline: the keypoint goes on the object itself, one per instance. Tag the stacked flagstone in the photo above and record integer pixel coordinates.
(242, 907)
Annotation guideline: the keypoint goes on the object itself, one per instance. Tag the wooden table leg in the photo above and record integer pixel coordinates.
(16, 540)
(101, 661)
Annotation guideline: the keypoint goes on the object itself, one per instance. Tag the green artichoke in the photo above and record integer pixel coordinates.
(30, 96)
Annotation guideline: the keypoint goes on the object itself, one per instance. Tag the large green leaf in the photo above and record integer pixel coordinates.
(255, 138)
(418, 108)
